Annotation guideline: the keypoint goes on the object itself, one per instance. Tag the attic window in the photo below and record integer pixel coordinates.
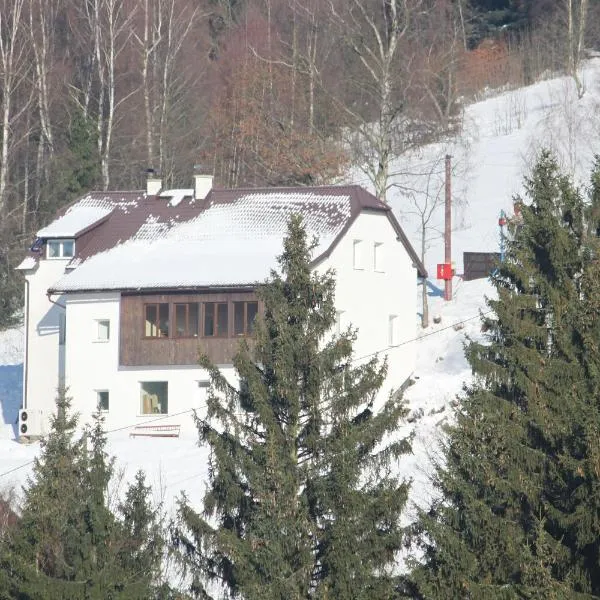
(60, 249)
(357, 255)
(378, 257)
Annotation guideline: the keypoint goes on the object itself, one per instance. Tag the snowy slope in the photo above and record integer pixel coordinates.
(500, 138)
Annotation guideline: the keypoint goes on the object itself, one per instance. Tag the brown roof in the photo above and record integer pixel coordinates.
(132, 211)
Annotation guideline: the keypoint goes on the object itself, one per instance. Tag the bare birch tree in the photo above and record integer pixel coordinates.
(576, 28)
(14, 75)
(104, 30)
(42, 22)
(377, 33)
(166, 27)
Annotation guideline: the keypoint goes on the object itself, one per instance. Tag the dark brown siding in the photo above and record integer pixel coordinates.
(136, 350)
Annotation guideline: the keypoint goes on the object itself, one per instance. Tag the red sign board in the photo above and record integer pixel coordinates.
(444, 271)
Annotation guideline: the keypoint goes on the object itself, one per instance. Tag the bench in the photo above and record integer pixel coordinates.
(156, 431)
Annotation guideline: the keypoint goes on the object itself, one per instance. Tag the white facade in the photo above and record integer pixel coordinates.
(44, 333)
(376, 293)
(92, 366)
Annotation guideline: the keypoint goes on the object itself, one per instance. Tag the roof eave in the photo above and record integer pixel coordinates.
(159, 290)
(400, 236)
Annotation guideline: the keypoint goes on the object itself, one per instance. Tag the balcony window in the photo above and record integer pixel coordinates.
(244, 315)
(60, 249)
(216, 319)
(154, 397)
(187, 319)
(156, 323)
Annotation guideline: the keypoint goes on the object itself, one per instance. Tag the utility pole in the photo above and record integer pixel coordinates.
(448, 232)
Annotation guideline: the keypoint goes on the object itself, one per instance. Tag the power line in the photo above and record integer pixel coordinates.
(30, 462)
(359, 358)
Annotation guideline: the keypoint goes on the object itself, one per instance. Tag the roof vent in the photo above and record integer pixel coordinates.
(153, 182)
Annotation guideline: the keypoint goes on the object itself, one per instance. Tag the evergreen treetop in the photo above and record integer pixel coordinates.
(517, 513)
(302, 500)
(68, 542)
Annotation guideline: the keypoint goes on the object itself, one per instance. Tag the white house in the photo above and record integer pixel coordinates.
(122, 289)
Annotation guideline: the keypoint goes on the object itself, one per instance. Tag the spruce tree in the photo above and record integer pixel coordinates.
(517, 514)
(68, 542)
(301, 501)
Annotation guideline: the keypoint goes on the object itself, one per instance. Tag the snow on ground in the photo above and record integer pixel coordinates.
(176, 465)
(500, 138)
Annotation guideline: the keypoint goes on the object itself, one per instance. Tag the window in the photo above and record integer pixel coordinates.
(102, 330)
(339, 322)
(60, 249)
(393, 330)
(378, 257)
(154, 397)
(357, 254)
(244, 315)
(156, 320)
(187, 319)
(216, 319)
(102, 400)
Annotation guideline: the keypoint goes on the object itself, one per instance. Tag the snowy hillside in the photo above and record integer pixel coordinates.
(500, 139)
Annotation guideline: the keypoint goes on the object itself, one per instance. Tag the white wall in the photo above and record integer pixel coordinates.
(93, 365)
(44, 360)
(368, 298)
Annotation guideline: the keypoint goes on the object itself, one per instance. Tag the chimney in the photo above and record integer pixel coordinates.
(153, 183)
(202, 184)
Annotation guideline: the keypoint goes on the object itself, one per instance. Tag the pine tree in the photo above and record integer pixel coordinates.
(301, 501)
(517, 515)
(68, 542)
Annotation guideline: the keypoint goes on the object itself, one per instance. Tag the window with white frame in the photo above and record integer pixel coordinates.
(393, 333)
(60, 249)
(102, 400)
(102, 330)
(340, 324)
(358, 260)
(154, 397)
(378, 264)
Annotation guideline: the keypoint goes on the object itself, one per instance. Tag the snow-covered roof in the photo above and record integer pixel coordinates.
(228, 244)
(77, 218)
(176, 196)
(28, 262)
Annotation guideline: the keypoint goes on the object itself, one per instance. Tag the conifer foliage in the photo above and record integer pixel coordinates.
(301, 502)
(68, 542)
(518, 510)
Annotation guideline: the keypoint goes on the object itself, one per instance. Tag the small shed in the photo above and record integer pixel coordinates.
(478, 265)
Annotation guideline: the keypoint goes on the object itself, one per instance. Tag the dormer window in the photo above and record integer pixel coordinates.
(60, 249)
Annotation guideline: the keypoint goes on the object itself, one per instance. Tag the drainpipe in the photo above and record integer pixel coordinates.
(48, 294)
(26, 353)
